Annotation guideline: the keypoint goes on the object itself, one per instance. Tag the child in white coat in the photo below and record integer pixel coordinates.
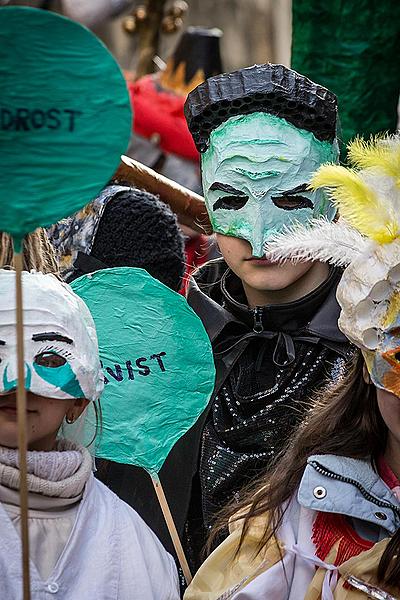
(85, 543)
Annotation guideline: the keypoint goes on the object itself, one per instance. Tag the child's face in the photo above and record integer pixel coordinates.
(62, 367)
(44, 419)
(259, 274)
(389, 407)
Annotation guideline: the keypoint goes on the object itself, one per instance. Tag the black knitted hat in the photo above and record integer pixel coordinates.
(137, 230)
(269, 88)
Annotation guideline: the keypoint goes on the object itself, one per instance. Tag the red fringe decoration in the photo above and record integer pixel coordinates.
(330, 528)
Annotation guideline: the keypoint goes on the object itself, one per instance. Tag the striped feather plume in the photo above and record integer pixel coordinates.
(358, 204)
(335, 243)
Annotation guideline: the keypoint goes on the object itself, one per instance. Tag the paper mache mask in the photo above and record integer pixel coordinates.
(262, 133)
(365, 240)
(60, 343)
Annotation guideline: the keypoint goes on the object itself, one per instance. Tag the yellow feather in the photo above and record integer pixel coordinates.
(358, 204)
(377, 153)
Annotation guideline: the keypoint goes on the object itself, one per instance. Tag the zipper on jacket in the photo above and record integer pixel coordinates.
(382, 503)
(258, 326)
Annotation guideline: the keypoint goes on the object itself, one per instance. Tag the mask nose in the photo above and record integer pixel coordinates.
(257, 250)
(257, 242)
(10, 377)
(260, 229)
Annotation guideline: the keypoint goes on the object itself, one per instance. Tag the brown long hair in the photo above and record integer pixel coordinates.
(344, 420)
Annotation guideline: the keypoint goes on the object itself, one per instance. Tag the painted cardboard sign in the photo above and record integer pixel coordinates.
(65, 118)
(157, 362)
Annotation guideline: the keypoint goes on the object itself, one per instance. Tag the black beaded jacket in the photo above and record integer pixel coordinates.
(269, 361)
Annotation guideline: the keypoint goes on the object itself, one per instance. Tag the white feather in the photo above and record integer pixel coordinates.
(385, 187)
(336, 243)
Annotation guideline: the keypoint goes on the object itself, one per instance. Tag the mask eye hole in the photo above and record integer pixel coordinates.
(231, 202)
(50, 360)
(292, 202)
(393, 357)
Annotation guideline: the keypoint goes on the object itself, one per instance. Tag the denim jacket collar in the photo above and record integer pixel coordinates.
(351, 487)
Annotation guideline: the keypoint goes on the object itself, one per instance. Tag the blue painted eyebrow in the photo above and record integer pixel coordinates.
(256, 175)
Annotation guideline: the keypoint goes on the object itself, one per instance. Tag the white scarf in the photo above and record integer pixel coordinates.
(62, 472)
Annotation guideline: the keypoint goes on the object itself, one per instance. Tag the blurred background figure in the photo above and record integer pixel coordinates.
(160, 137)
(349, 47)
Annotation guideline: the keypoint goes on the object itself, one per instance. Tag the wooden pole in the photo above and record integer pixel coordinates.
(189, 206)
(171, 528)
(22, 429)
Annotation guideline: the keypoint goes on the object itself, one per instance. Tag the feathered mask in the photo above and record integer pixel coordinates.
(365, 240)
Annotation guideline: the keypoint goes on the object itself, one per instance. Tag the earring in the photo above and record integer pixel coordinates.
(70, 420)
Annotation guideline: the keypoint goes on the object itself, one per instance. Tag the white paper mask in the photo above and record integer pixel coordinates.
(60, 342)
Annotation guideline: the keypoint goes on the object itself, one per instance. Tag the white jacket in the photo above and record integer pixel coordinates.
(111, 555)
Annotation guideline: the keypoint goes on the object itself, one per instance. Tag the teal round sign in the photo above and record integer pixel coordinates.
(157, 362)
(65, 118)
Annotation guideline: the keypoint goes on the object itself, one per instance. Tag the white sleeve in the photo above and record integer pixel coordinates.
(148, 572)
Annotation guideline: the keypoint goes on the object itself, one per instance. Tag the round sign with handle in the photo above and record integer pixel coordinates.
(158, 366)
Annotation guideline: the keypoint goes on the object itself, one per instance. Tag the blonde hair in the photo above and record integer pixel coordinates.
(38, 253)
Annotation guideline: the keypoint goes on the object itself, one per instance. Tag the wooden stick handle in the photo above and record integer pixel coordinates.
(189, 206)
(171, 528)
(22, 430)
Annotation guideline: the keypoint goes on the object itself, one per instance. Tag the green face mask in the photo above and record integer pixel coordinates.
(255, 174)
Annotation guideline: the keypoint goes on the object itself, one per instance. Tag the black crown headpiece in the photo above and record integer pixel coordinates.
(268, 88)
